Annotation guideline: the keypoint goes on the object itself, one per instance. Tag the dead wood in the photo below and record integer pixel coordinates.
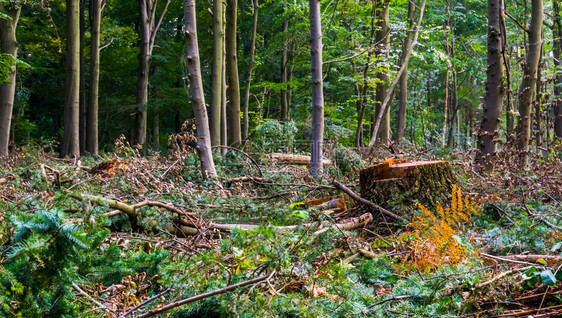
(205, 295)
(7, 179)
(291, 159)
(368, 203)
(245, 179)
(350, 224)
(497, 277)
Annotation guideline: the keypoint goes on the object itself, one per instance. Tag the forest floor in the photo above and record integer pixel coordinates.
(129, 235)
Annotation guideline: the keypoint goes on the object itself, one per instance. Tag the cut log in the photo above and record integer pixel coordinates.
(290, 159)
(397, 185)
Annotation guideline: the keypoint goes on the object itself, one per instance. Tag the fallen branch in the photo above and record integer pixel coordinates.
(205, 295)
(132, 310)
(245, 179)
(291, 159)
(80, 291)
(509, 272)
(350, 224)
(367, 202)
(7, 179)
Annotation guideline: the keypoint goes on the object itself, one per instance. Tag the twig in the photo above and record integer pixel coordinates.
(505, 259)
(130, 311)
(509, 272)
(82, 292)
(245, 154)
(389, 299)
(367, 202)
(205, 295)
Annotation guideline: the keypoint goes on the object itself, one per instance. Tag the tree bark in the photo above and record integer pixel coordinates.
(250, 70)
(71, 141)
(284, 98)
(557, 104)
(234, 128)
(148, 30)
(317, 134)
(382, 38)
(224, 119)
(216, 73)
(83, 101)
(448, 71)
(395, 82)
(401, 116)
(523, 129)
(8, 45)
(489, 127)
(92, 145)
(198, 97)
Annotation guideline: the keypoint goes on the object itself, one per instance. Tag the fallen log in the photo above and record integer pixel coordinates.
(291, 159)
(367, 202)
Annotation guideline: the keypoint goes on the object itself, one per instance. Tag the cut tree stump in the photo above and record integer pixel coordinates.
(397, 185)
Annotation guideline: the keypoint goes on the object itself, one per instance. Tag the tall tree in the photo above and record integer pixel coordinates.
(71, 141)
(216, 73)
(285, 114)
(148, 30)
(92, 144)
(234, 129)
(447, 73)
(317, 133)
(8, 48)
(557, 103)
(255, 10)
(83, 110)
(388, 96)
(382, 39)
(198, 97)
(526, 90)
(401, 115)
(489, 127)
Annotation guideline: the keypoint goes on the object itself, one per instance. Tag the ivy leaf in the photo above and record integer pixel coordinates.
(548, 277)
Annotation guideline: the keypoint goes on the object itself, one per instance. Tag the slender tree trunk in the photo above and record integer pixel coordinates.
(523, 129)
(92, 145)
(557, 103)
(224, 119)
(401, 116)
(284, 70)
(395, 82)
(216, 73)
(71, 141)
(489, 127)
(83, 106)
(234, 131)
(198, 97)
(148, 30)
(317, 134)
(250, 70)
(447, 73)
(538, 102)
(9, 46)
(455, 109)
(362, 98)
(382, 38)
(509, 114)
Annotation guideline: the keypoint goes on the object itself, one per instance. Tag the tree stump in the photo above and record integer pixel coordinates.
(398, 185)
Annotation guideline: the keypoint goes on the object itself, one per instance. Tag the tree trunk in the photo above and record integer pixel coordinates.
(142, 73)
(250, 69)
(401, 117)
(362, 97)
(557, 103)
(92, 145)
(83, 106)
(148, 30)
(216, 73)
(234, 131)
(455, 109)
(538, 102)
(9, 46)
(224, 119)
(198, 97)
(489, 127)
(71, 141)
(284, 71)
(447, 73)
(317, 134)
(523, 129)
(382, 38)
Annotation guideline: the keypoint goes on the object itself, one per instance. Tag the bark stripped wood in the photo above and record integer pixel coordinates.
(291, 159)
(395, 82)
(368, 203)
(198, 96)
(205, 295)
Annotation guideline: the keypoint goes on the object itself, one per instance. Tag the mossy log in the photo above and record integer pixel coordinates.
(398, 185)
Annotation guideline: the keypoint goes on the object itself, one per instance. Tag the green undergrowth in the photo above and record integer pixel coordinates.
(53, 243)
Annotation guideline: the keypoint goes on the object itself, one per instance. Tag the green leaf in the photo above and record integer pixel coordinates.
(548, 277)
